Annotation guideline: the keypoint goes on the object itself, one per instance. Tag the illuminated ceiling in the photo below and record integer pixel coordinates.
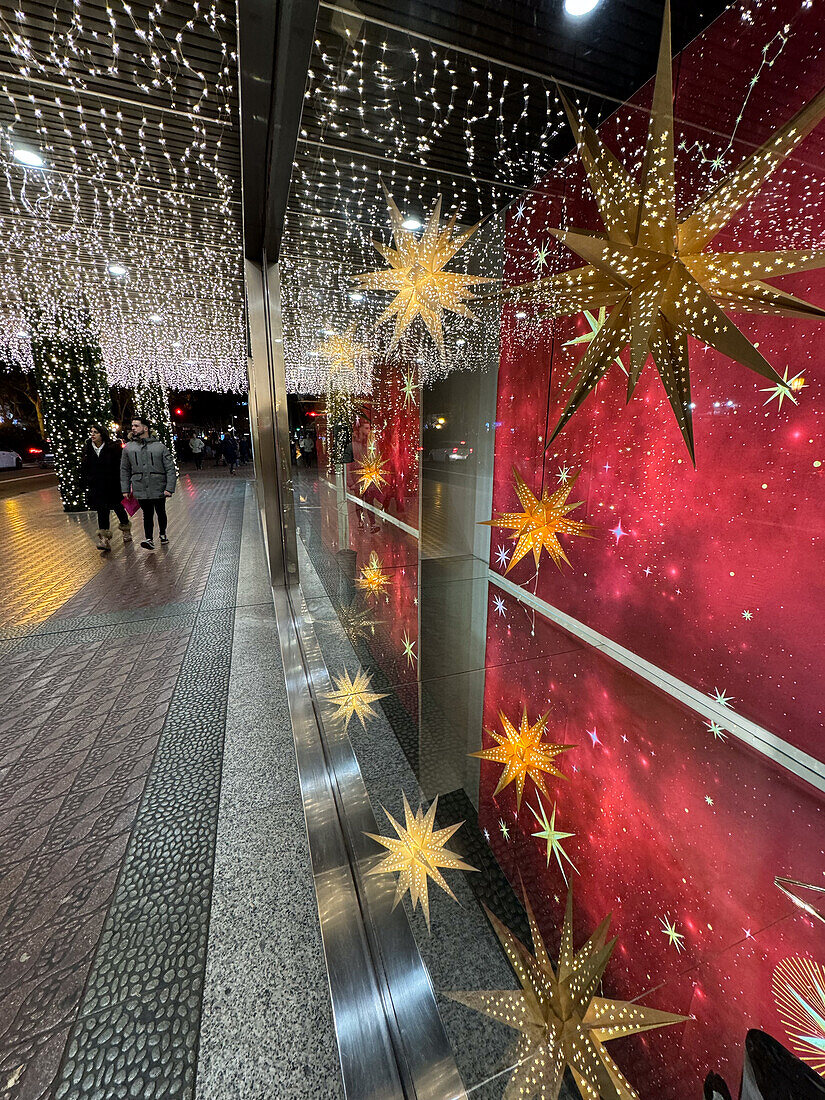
(133, 110)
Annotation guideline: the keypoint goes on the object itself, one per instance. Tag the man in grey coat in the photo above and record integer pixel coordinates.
(147, 467)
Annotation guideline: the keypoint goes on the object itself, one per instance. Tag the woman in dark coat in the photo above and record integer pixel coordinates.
(230, 452)
(101, 473)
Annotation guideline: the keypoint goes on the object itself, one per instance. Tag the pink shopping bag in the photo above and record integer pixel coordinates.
(131, 504)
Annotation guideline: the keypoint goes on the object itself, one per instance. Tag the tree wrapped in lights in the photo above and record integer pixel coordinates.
(151, 400)
(73, 387)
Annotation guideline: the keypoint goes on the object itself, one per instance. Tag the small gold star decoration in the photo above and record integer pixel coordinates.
(653, 272)
(353, 697)
(523, 754)
(541, 522)
(357, 622)
(552, 837)
(416, 275)
(373, 579)
(341, 351)
(416, 854)
(370, 471)
(560, 1020)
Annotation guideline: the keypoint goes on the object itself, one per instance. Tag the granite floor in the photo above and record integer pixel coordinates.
(129, 683)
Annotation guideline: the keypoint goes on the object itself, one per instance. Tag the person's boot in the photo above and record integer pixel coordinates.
(126, 528)
(104, 540)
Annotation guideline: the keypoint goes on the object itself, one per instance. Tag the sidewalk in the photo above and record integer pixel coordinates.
(116, 677)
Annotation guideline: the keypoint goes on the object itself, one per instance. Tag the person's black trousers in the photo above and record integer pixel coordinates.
(149, 508)
(198, 460)
(103, 516)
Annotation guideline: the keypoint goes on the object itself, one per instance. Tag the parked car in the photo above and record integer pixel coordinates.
(452, 451)
(42, 456)
(10, 460)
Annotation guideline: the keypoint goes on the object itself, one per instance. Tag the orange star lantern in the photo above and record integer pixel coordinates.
(523, 753)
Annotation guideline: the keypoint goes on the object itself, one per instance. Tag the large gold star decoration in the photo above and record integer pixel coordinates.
(353, 697)
(416, 854)
(370, 471)
(341, 351)
(596, 323)
(373, 579)
(560, 1020)
(654, 273)
(541, 522)
(523, 754)
(416, 275)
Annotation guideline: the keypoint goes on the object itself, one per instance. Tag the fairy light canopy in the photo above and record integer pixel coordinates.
(426, 104)
(119, 158)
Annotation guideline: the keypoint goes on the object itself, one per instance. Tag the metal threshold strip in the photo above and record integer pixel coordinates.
(391, 1039)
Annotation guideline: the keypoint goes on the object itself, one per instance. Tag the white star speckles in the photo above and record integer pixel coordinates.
(647, 571)
(676, 939)
(541, 257)
(709, 800)
(498, 604)
(519, 214)
(502, 556)
(747, 616)
(617, 532)
(786, 388)
(717, 731)
(564, 475)
(504, 828)
(487, 835)
(409, 649)
(722, 698)
(594, 737)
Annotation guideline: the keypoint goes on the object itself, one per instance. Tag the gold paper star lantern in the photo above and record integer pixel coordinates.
(523, 753)
(596, 323)
(541, 522)
(560, 1020)
(370, 471)
(416, 275)
(373, 579)
(654, 273)
(416, 854)
(353, 697)
(341, 351)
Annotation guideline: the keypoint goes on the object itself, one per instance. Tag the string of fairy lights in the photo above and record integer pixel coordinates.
(381, 107)
(119, 183)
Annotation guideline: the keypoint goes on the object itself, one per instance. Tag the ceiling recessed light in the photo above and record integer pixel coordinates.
(30, 158)
(116, 269)
(579, 7)
(412, 223)
(156, 318)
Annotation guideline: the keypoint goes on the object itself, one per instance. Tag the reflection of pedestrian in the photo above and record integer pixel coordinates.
(230, 452)
(101, 473)
(307, 445)
(148, 467)
(246, 449)
(196, 446)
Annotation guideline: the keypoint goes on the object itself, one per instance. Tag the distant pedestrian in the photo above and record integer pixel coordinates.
(147, 466)
(196, 446)
(246, 449)
(307, 446)
(101, 474)
(230, 452)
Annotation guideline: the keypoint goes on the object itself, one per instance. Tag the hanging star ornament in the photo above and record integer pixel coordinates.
(653, 272)
(523, 754)
(370, 471)
(541, 522)
(353, 697)
(417, 278)
(786, 387)
(341, 351)
(552, 837)
(373, 579)
(560, 1020)
(416, 854)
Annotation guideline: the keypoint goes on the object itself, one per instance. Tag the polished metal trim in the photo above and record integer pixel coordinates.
(777, 750)
(381, 991)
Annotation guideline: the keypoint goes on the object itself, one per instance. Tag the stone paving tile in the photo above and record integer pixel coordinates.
(87, 687)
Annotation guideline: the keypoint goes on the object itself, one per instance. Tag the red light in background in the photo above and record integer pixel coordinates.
(178, 412)
(35, 451)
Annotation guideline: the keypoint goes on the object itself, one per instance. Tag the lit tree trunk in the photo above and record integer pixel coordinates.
(74, 392)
